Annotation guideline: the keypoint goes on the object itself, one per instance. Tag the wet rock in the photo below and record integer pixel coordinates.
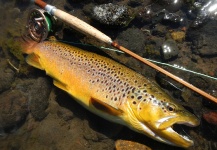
(173, 17)
(156, 14)
(211, 117)
(130, 145)
(171, 5)
(133, 39)
(111, 14)
(207, 11)
(145, 14)
(37, 91)
(7, 75)
(13, 109)
(169, 49)
(202, 39)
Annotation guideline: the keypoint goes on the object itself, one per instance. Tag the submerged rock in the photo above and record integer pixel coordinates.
(199, 81)
(13, 109)
(171, 5)
(202, 39)
(169, 49)
(130, 145)
(7, 75)
(133, 39)
(155, 14)
(211, 117)
(111, 14)
(207, 11)
(37, 91)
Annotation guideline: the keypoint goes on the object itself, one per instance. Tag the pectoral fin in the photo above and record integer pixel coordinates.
(60, 85)
(105, 107)
(33, 60)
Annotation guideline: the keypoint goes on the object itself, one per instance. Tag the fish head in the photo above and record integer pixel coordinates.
(156, 116)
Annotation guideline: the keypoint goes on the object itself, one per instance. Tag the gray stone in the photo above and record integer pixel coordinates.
(169, 49)
(13, 109)
(38, 91)
(7, 75)
(111, 14)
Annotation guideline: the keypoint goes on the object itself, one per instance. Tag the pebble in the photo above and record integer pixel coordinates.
(169, 49)
(130, 145)
(211, 117)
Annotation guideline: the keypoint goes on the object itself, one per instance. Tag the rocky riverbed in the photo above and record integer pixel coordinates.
(34, 114)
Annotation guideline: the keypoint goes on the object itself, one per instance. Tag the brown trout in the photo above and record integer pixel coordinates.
(112, 91)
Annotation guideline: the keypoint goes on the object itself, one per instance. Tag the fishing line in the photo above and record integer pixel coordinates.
(154, 61)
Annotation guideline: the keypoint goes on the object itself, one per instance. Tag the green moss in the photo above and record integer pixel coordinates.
(14, 48)
(150, 50)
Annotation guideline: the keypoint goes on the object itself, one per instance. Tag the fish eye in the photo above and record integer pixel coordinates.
(171, 107)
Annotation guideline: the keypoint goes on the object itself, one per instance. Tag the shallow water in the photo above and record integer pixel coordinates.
(34, 114)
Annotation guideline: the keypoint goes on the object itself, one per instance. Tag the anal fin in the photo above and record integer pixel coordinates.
(105, 107)
(33, 60)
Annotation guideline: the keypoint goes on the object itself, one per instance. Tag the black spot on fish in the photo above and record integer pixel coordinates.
(139, 97)
(133, 90)
(134, 102)
(124, 95)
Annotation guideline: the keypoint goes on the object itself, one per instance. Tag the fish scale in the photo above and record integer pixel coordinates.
(112, 91)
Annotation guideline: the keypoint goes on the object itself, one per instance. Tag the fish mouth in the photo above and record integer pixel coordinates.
(173, 131)
(182, 137)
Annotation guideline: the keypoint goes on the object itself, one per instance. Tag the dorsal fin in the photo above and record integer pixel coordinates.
(105, 107)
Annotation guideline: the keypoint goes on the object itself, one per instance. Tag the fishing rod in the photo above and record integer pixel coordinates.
(87, 29)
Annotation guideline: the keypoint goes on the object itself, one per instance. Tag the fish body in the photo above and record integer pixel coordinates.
(112, 91)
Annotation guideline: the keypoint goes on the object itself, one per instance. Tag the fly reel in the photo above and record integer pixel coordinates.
(39, 24)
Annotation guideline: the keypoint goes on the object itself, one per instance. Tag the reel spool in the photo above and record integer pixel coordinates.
(39, 24)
